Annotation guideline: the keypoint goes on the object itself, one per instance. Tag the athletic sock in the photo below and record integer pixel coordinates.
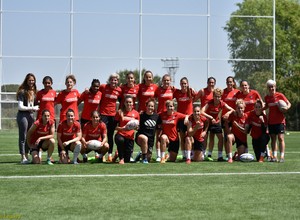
(275, 153)
(162, 154)
(76, 152)
(230, 155)
(188, 154)
(220, 154)
(281, 155)
(209, 153)
(40, 154)
(158, 152)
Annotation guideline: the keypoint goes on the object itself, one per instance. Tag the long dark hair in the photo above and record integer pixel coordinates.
(24, 87)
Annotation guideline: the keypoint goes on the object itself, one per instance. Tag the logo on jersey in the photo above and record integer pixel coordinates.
(150, 123)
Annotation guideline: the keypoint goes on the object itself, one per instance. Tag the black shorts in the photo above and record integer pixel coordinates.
(276, 129)
(181, 126)
(38, 147)
(239, 143)
(198, 145)
(262, 141)
(67, 148)
(173, 146)
(150, 142)
(215, 128)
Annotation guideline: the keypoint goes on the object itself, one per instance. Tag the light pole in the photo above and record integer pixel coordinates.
(171, 64)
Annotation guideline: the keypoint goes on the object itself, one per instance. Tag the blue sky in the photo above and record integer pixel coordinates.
(106, 39)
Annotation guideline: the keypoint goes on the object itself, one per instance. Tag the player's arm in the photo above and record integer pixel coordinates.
(29, 133)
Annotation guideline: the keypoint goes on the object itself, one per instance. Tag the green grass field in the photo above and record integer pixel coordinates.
(206, 190)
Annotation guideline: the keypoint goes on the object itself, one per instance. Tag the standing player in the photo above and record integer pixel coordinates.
(68, 99)
(235, 125)
(111, 92)
(169, 135)
(146, 132)
(184, 97)
(276, 119)
(124, 137)
(212, 110)
(68, 137)
(130, 88)
(41, 137)
(26, 95)
(94, 131)
(146, 90)
(197, 129)
(257, 123)
(91, 99)
(46, 98)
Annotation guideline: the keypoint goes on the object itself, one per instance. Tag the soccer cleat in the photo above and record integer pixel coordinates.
(121, 161)
(208, 159)
(138, 157)
(158, 159)
(230, 160)
(261, 159)
(109, 159)
(281, 160)
(131, 160)
(145, 161)
(163, 160)
(188, 161)
(221, 159)
(25, 161)
(49, 162)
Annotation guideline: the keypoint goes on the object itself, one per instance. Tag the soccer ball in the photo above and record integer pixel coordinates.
(94, 145)
(132, 124)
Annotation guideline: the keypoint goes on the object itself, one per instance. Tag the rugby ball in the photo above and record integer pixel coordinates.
(246, 157)
(94, 145)
(281, 105)
(132, 124)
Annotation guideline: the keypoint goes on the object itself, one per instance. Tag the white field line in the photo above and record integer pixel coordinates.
(149, 175)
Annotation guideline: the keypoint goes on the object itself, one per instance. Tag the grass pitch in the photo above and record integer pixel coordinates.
(208, 190)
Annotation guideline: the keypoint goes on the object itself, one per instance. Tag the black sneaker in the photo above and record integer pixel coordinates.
(138, 157)
(221, 159)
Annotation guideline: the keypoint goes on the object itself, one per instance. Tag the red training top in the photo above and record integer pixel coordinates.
(46, 100)
(127, 116)
(68, 132)
(145, 92)
(68, 100)
(94, 133)
(275, 115)
(109, 99)
(91, 103)
(41, 130)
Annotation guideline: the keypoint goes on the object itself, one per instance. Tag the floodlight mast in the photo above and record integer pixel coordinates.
(172, 65)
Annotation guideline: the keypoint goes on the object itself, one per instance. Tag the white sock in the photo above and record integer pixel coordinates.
(162, 154)
(275, 153)
(209, 153)
(281, 155)
(76, 152)
(158, 152)
(40, 154)
(188, 154)
(230, 155)
(262, 154)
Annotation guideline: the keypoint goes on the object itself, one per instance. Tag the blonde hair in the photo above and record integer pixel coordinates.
(240, 102)
(218, 92)
(114, 75)
(168, 102)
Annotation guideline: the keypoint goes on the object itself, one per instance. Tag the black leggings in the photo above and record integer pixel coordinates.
(125, 147)
(260, 144)
(110, 125)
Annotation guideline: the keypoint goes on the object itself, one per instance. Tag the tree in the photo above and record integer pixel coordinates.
(123, 73)
(252, 38)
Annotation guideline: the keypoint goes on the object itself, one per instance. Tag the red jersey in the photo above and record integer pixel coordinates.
(91, 103)
(68, 100)
(108, 104)
(169, 124)
(41, 130)
(68, 132)
(46, 100)
(94, 133)
(197, 134)
(132, 91)
(242, 122)
(256, 124)
(162, 96)
(208, 96)
(275, 115)
(184, 102)
(229, 97)
(127, 116)
(145, 92)
(249, 99)
(214, 110)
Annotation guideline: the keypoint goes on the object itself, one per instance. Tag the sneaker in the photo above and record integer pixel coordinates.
(208, 159)
(230, 160)
(274, 159)
(281, 160)
(269, 159)
(121, 161)
(138, 157)
(85, 160)
(109, 159)
(221, 159)
(261, 159)
(25, 161)
(131, 160)
(163, 160)
(75, 163)
(49, 162)
(158, 159)
(188, 161)
(145, 161)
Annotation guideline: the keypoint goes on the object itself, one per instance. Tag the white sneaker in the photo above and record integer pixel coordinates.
(25, 161)
(158, 159)
(131, 159)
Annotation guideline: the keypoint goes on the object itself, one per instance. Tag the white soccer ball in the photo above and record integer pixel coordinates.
(246, 157)
(94, 145)
(281, 105)
(132, 124)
